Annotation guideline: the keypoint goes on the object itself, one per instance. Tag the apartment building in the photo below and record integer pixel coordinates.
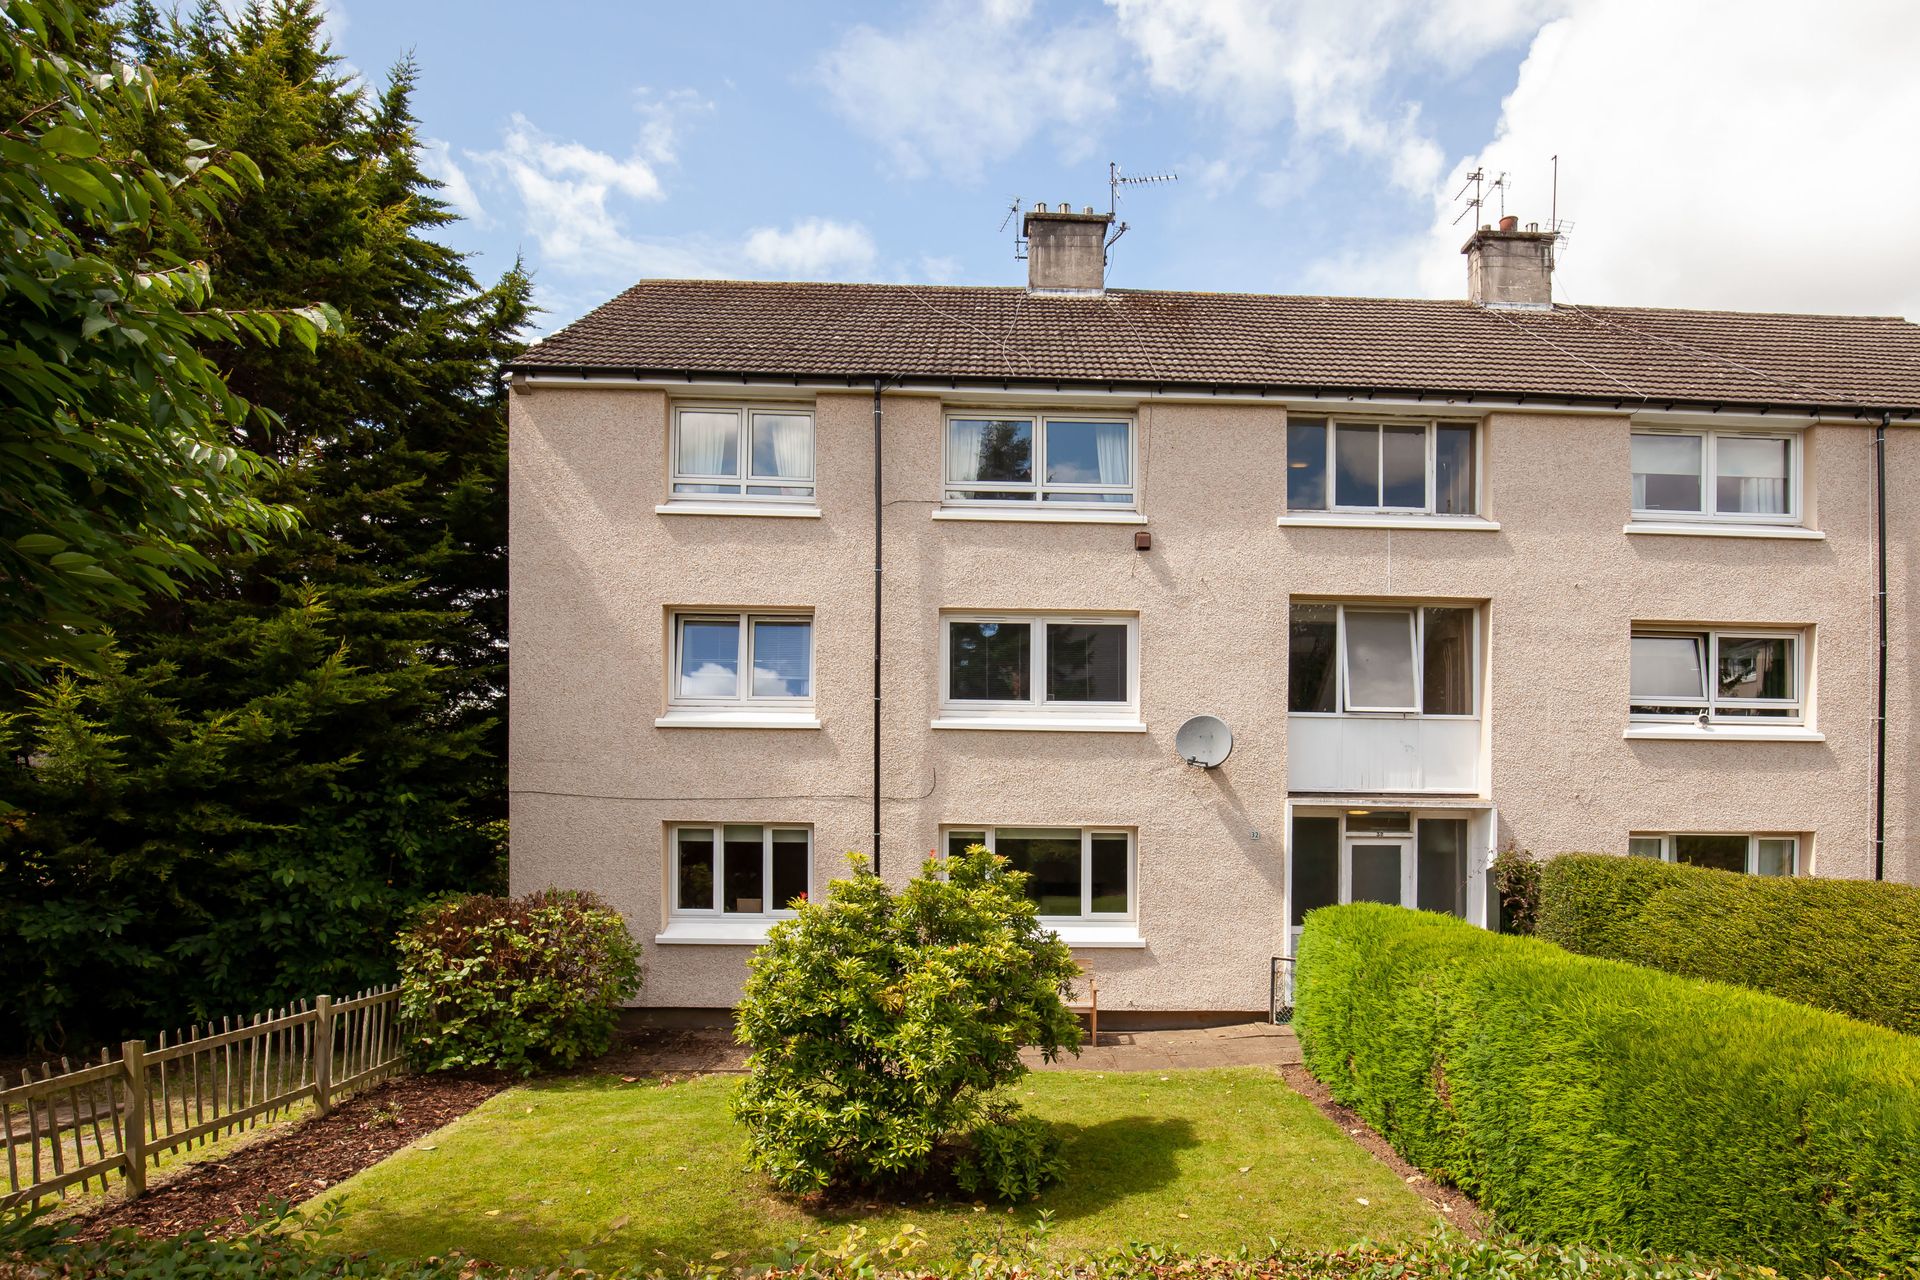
(804, 569)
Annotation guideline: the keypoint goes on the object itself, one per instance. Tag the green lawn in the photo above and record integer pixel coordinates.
(650, 1173)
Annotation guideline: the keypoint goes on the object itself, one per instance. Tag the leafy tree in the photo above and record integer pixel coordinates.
(886, 1028)
(273, 767)
(117, 463)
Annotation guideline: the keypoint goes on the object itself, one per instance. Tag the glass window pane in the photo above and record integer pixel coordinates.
(1756, 667)
(783, 658)
(789, 869)
(1664, 667)
(783, 446)
(958, 842)
(1751, 475)
(1088, 453)
(1453, 471)
(1356, 466)
(1051, 858)
(709, 443)
(1376, 873)
(1446, 687)
(1774, 857)
(1311, 646)
(693, 887)
(742, 889)
(1075, 495)
(1645, 847)
(1306, 464)
(709, 658)
(1109, 886)
(1086, 663)
(1403, 467)
(1374, 820)
(1728, 853)
(1380, 659)
(991, 451)
(1666, 472)
(1442, 865)
(1316, 865)
(990, 661)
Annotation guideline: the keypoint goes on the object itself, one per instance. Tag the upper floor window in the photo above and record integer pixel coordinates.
(760, 660)
(1754, 855)
(746, 452)
(1059, 460)
(1716, 475)
(1381, 658)
(1040, 665)
(1717, 676)
(1413, 468)
(739, 869)
(1073, 873)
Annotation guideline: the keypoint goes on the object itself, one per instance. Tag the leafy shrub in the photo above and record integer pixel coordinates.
(881, 1024)
(1585, 1100)
(1012, 1158)
(516, 983)
(1852, 946)
(1516, 879)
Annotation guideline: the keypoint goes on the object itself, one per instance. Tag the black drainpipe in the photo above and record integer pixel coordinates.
(1880, 601)
(878, 507)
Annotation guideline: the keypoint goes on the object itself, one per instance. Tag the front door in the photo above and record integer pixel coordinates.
(1378, 869)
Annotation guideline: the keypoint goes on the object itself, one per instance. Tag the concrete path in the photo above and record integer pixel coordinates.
(702, 1051)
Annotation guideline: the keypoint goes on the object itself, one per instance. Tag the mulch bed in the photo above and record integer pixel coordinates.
(1456, 1205)
(218, 1193)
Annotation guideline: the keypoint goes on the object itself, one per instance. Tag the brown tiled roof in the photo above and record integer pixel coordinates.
(1385, 345)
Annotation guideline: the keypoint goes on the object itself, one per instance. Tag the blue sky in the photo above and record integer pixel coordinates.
(1318, 144)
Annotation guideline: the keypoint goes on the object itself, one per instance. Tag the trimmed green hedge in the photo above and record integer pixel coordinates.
(1585, 1100)
(1852, 946)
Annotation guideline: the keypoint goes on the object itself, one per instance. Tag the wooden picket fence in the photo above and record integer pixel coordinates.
(70, 1127)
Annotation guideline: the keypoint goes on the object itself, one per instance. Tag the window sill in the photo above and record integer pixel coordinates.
(715, 933)
(1724, 733)
(1007, 515)
(1090, 936)
(1042, 724)
(1338, 520)
(1689, 529)
(737, 509)
(691, 719)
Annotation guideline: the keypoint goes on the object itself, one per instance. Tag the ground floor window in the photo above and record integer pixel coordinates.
(735, 870)
(1074, 873)
(1754, 855)
(1395, 856)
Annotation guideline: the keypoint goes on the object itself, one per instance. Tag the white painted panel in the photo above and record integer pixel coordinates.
(1388, 753)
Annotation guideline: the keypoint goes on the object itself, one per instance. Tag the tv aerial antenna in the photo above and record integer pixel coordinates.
(1482, 192)
(1116, 179)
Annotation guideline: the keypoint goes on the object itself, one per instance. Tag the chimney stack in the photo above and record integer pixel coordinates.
(1509, 267)
(1066, 251)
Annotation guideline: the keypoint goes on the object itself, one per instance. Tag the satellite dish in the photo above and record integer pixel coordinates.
(1204, 740)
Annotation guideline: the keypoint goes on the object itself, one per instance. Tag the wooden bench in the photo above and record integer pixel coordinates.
(1089, 983)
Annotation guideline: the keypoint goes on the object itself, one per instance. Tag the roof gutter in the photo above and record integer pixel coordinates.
(1381, 397)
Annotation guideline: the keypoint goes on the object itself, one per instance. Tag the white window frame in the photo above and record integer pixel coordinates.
(1039, 704)
(714, 911)
(1795, 708)
(1086, 917)
(1427, 509)
(1038, 488)
(1354, 829)
(1753, 839)
(745, 699)
(743, 477)
(1709, 472)
(1419, 611)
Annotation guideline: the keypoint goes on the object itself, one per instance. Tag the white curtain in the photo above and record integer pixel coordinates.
(965, 436)
(709, 443)
(1754, 495)
(1116, 459)
(783, 446)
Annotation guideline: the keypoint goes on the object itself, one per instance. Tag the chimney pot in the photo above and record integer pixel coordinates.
(1510, 267)
(1509, 223)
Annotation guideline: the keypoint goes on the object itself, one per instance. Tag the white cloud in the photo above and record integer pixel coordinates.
(437, 161)
(969, 84)
(1710, 156)
(811, 248)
